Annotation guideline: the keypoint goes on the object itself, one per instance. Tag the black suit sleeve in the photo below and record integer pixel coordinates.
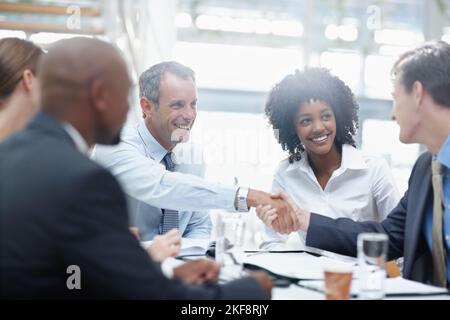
(95, 237)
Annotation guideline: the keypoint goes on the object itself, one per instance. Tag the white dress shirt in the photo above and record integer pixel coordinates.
(154, 185)
(76, 137)
(362, 189)
(136, 162)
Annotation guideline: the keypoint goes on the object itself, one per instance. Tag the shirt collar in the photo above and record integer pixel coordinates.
(443, 155)
(76, 137)
(351, 159)
(155, 150)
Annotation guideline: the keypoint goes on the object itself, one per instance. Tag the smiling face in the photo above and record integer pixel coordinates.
(171, 119)
(315, 125)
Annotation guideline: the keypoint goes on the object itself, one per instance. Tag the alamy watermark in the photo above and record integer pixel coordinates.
(253, 146)
(73, 281)
(74, 20)
(374, 17)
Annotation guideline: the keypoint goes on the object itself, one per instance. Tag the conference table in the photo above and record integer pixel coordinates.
(298, 275)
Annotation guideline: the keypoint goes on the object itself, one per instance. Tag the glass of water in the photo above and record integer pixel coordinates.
(230, 240)
(372, 253)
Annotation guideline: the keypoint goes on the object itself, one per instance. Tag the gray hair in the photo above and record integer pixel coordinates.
(150, 80)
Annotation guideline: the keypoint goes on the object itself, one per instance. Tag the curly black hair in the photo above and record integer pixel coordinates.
(317, 84)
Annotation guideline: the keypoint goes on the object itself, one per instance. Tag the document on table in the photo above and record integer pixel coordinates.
(394, 287)
(282, 247)
(189, 246)
(298, 265)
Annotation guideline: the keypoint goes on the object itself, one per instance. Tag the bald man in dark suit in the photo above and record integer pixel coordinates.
(62, 215)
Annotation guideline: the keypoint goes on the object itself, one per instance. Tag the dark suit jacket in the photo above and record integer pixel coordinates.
(404, 226)
(58, 208)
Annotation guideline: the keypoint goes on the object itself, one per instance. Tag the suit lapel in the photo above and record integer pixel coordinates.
(418, 195)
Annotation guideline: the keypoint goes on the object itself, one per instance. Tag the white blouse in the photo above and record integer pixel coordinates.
(362, 189)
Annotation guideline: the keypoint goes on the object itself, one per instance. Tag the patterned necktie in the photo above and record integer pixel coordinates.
(437, 247)
(170, 219)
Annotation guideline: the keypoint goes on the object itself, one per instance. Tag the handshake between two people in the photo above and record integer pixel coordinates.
(279, 212)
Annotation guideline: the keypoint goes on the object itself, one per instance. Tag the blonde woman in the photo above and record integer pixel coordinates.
(19, 87)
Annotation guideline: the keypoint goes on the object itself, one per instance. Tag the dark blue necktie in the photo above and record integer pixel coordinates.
(170, 218)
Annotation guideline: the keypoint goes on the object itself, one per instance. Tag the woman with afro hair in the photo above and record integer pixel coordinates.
(315, 116)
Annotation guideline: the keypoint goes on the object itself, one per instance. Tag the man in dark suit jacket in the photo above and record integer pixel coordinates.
(404, 225)
(63, 220)
(422, 109)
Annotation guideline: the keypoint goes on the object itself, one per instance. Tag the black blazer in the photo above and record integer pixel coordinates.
(404, 226)
(58, 208)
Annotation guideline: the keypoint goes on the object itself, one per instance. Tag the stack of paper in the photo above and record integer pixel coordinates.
(293, 265)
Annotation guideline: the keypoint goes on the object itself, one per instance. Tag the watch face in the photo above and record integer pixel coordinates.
(243, 204)
(242, 200)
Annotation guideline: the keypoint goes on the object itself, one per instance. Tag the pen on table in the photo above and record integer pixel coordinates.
(309, 287)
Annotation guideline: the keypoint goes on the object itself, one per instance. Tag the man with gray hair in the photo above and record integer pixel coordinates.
(168, 100)
(161, 177)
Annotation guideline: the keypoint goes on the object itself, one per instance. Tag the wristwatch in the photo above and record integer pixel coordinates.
(241, 200)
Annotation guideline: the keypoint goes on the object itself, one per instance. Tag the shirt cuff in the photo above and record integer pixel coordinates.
(168, 265)
(226, 197)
